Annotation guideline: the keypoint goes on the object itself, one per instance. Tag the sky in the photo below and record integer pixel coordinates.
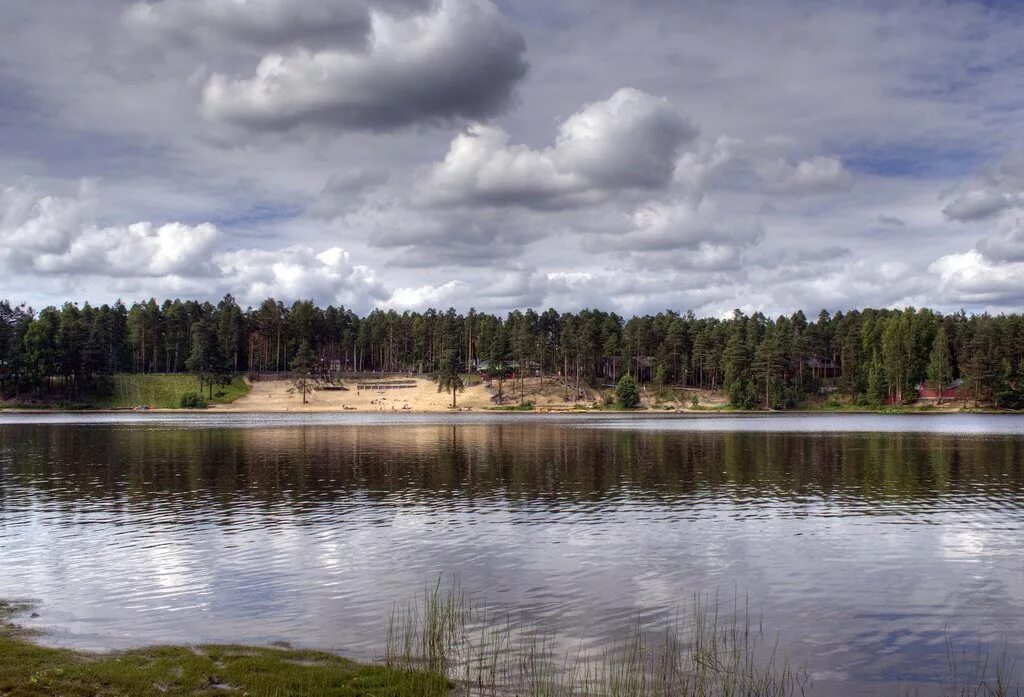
(631, 156)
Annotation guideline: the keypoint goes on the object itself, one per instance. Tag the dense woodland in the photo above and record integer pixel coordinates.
(870, 356)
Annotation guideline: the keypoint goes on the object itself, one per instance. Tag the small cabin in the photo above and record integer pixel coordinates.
(953, 390)
(824, 367)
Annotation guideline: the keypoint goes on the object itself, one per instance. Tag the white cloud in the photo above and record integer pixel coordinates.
(818, 174)
(446, 295)
(994, 189)
(685, 233)
(299, 272)
(695, 170)
(52, 236)
(481, 167)
(1006, 243)
(56, 235)
(40, 223)
(979, 204)
(969, 278)
(258, 22)
(461, 60)
(906, 99)
(629, 141)
(140, 249)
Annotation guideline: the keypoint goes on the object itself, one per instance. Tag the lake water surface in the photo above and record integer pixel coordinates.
(868, 543)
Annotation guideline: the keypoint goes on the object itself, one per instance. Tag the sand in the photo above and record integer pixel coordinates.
(281, 395)
(546, 394)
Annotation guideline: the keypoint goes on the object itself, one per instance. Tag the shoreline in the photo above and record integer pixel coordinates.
(28, 667)
(497, 411)
(419, 396)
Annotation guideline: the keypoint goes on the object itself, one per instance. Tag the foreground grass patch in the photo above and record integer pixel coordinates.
(164, 391)
(28, 670)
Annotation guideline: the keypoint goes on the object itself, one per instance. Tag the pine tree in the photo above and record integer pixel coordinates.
(940, 367)
(448, 378)
(876, 381)
(302, 365)
(206, 360)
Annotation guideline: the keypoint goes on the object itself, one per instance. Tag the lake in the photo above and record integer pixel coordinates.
(867, 543)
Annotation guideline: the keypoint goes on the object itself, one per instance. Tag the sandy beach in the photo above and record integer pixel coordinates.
(421, 396)
(545, 393)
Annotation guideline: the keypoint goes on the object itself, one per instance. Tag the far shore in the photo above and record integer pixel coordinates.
(419, 395)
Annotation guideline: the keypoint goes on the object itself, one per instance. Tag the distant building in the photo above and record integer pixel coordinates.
(953, 390)
(824, 367)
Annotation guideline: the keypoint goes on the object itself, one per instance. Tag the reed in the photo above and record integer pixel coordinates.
(488, 652)
(710, 649)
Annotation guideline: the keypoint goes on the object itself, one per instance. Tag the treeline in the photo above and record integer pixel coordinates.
(871, 356)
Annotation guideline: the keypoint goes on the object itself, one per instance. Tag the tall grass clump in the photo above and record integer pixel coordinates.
(974, 673)
(487, 652)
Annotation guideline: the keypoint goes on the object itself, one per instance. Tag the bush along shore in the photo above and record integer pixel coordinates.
(443, 643)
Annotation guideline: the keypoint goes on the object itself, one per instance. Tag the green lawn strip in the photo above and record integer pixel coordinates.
(164, 391)
(28, 670)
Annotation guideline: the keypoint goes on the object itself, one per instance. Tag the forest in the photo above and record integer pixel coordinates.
(868, 356)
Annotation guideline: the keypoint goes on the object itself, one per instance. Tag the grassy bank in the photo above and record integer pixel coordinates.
(707, 651)
(30, 670)
(164, 391)
(127, 391)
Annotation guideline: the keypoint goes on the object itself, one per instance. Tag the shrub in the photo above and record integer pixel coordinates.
(627, 393)
(192, 400)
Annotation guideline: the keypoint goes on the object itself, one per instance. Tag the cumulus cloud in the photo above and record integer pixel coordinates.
(694, 171)
(994, 190)
(498, 292)
(1006, 243)
(462, 60)
(140, 249)
(978, 205)
(41, 223)
(836, 282)
(693, 230)
(905, 113)
(263, 23)
(346, 190)
(54, 235)
(972, 279)
(299, 272)
(434, 239)
(629, 141)
(816, 175)
(445, 295)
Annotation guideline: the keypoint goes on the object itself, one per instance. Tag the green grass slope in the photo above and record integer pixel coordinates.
(164, 391)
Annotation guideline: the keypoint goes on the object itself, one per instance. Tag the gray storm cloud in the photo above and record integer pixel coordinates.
(462, 59)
